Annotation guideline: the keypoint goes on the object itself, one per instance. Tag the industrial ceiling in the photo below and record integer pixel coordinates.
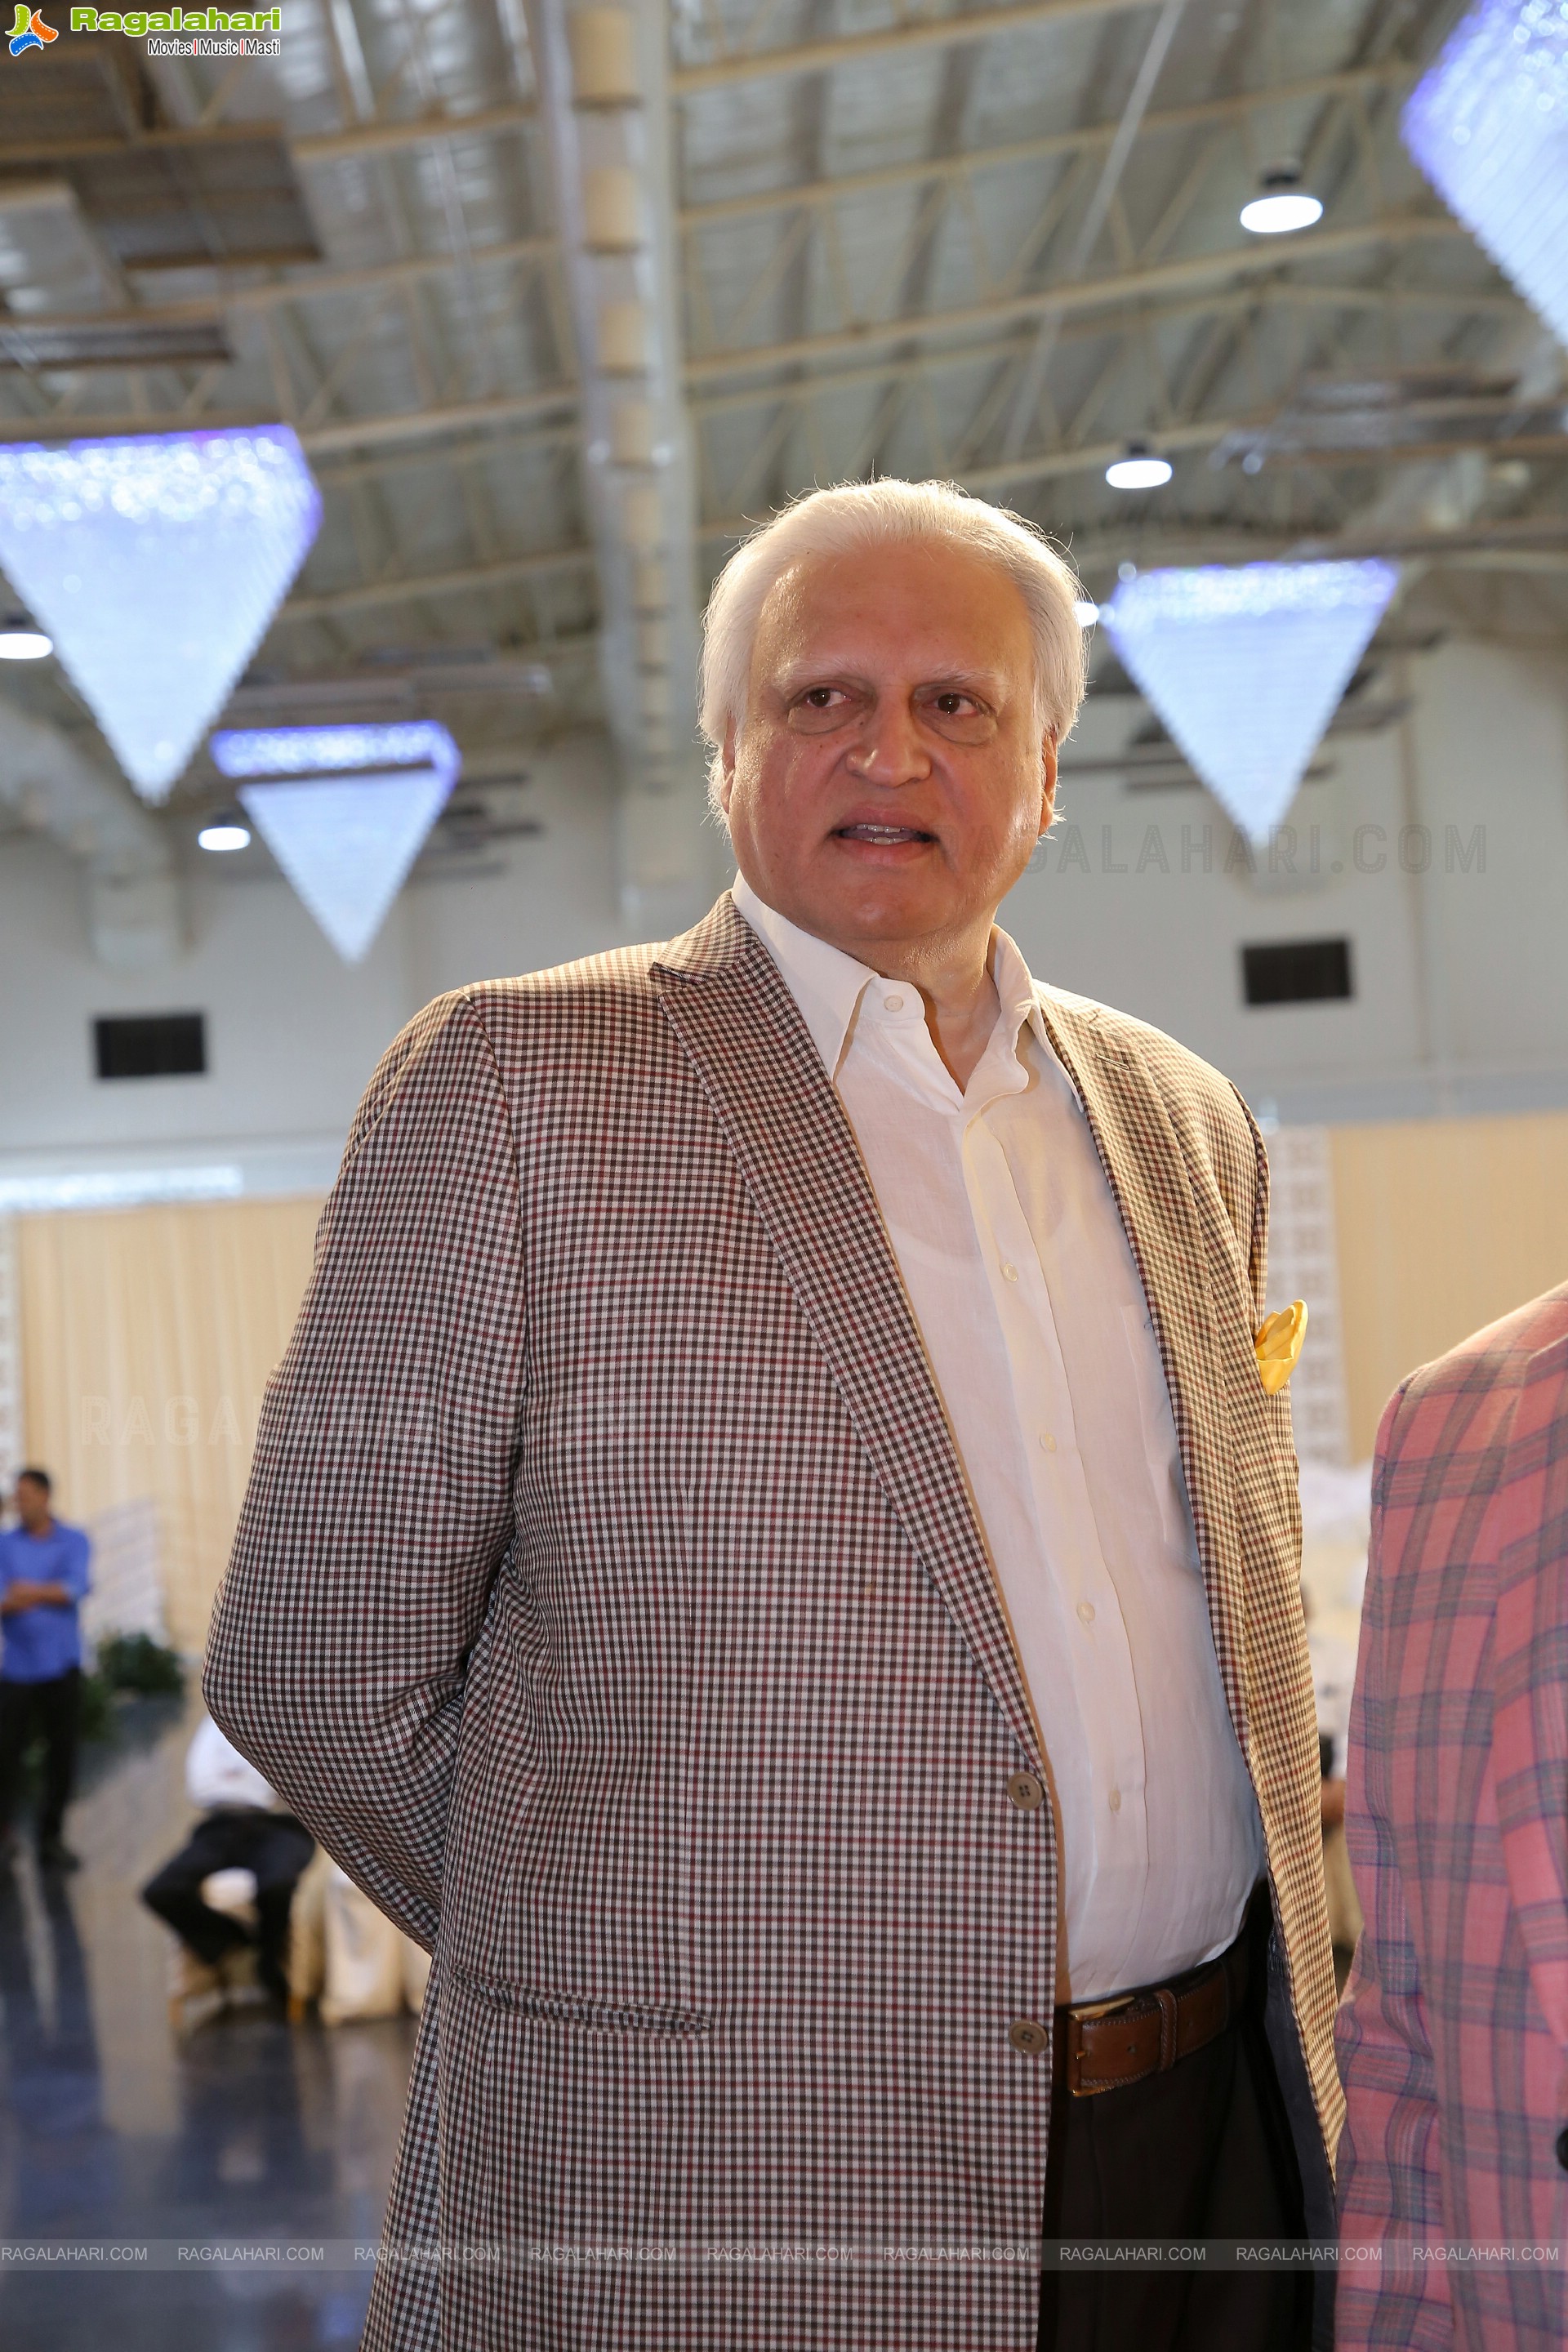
(557, 301)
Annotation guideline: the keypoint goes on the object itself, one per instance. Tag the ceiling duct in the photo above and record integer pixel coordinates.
(603, 76)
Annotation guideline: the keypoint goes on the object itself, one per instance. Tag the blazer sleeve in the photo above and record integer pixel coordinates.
(379, 1507)
(1390, 2158)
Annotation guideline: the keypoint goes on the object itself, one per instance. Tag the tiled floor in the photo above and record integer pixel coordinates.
(111, 2127)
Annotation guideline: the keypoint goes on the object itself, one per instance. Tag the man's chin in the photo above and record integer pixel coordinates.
(897, 904)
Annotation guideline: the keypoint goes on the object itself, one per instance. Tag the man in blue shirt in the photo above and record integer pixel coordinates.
(43, 1580)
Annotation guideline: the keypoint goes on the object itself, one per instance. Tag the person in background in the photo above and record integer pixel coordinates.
(43, 1582)
(1453, 2036)
(243, 1827)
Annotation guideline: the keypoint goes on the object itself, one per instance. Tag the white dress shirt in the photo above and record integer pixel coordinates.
(218, 1775)
(1037, 1333)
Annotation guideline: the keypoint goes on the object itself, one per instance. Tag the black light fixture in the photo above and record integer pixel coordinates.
(1282, 204)
(20, 641)
(224, 832)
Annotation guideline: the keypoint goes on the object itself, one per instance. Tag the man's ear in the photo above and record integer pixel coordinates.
(1047, 782)
(727, 767)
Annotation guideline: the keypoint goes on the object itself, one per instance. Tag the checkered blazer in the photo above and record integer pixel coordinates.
(1454, 2034)
(608, 1599)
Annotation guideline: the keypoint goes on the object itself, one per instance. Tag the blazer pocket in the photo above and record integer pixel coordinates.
(665, 2020)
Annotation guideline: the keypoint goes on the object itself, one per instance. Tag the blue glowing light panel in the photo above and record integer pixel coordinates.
(346, 842)
(1246, 667)
(156, 565)
(1489, 126)
(315, 751)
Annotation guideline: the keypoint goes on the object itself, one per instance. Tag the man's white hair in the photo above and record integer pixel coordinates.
(858, 515)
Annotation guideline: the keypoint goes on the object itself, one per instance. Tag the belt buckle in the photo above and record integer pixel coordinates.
(1091, 2012)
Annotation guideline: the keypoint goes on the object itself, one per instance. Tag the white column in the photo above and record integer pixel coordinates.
(1303, 1263)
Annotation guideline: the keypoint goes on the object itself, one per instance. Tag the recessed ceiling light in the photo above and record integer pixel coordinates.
(19, 644)
(1085, 614)
(225, 833)
(1284, 206)
(1140, 469)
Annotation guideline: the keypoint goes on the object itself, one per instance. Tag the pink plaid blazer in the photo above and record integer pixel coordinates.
(609, 1601)
(1453, 2032)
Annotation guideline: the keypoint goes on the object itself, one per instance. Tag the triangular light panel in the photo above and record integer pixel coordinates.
(156, 565)
(1246, 667)
(1489, 126)
(346, 842)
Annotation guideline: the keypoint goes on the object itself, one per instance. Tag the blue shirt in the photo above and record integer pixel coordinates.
(43, 1643)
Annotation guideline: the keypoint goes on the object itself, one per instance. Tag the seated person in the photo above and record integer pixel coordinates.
(243, 1827)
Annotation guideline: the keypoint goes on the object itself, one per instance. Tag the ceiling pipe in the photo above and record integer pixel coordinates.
(602, 77)
(132, 894)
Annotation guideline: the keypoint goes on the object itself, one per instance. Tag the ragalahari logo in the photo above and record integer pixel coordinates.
(29, 31)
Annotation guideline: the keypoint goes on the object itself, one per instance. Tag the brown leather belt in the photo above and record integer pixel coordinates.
(1104, 2046)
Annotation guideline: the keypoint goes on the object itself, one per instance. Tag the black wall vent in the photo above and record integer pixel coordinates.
(1297, 972)
(152, 1045)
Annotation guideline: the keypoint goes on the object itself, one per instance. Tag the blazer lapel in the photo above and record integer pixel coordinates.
(1530, 1733)
(780, 1115)
(1143, 1163)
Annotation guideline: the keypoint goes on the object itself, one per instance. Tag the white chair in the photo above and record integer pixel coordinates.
(346, 1955)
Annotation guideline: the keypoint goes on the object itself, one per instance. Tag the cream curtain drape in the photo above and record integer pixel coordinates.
(1444, 1224)
(147, 1336)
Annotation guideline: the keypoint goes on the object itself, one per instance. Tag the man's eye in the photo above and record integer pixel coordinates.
(954, 706)
(820, 698)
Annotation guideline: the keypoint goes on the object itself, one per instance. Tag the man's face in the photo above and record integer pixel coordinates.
(32, 1503)
(891, 777)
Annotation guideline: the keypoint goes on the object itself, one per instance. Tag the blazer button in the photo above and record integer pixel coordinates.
(1026, 1791)
(1562, 2149)
(1026, 2035)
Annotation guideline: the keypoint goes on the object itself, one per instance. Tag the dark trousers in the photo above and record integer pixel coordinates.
(275, 1847)
(49, 1709)
(1204, 2151)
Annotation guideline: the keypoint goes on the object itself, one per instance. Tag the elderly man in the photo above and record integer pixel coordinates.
(769, 1550)
(1454, 2033)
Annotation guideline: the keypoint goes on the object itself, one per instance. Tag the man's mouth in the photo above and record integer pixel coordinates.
(882, 836)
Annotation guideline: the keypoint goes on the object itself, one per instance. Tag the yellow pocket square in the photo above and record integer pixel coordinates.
(1277, 1344)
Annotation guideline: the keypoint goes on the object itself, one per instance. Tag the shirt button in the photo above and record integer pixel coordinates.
(1114, 1800)
(894, 1003)
(1047, 1443)
(1086, 1612)
(1026, 1791)
(1009, 1274)
(1025, 2034)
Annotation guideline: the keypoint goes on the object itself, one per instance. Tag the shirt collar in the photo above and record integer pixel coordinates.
(828, 984)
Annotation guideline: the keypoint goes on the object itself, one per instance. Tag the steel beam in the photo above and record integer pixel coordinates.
(320, 440)
(1090, 293)
(418, 130)
(815, 193)
(310, 147)
(333, 602)
(918, 33)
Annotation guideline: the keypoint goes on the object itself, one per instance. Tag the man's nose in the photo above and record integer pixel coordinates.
(890, 750)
